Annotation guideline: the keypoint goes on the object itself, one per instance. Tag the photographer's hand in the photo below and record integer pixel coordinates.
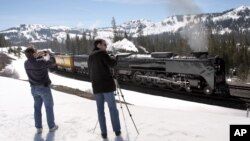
(46, 57)
(35, 55)
(41, 53)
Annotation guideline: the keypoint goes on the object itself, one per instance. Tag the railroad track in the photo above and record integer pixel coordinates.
(195, 96)
(240, 87)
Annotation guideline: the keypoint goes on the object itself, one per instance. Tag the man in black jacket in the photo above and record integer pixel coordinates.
(103, 85)
(36, 67)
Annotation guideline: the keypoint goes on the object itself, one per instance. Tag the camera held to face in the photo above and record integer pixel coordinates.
(40, 54)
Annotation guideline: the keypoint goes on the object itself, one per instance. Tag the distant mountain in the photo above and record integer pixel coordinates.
(237, 19)
(38, 33)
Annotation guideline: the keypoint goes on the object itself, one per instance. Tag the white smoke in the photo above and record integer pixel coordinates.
(195, 34)
(180, 7)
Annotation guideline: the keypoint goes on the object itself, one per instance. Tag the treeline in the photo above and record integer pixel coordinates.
(3, 42)
(234, 48)
(171, 42)
(72, 45)
(166, 42)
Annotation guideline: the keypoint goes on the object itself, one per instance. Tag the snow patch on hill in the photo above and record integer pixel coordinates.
(60, 27)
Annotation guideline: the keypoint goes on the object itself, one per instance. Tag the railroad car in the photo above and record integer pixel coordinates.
(162, 69)
(65, 62)
(80, 63)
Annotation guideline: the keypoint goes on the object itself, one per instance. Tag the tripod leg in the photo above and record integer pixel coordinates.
(95, 126)
(248, 111)
(117, 93)
(119, 89)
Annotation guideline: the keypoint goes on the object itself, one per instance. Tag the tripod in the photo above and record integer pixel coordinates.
(119, 93)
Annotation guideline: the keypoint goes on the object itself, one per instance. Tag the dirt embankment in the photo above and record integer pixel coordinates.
(77, 92)
(73, 91)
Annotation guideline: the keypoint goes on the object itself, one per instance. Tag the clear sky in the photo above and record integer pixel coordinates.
(98, 13)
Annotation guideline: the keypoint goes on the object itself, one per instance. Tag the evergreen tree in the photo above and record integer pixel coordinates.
(114, 27)
(94, 33)
(68, 44)
(19, 49)
(77, 45)
(141, 39)
(3, 42)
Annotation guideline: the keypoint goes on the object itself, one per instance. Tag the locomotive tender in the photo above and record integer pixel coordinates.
(161, 69)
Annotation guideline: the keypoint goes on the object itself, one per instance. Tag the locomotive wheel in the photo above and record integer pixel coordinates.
(174, 86)
(188, 89)
(161, 84)
(125, 78)
(137, 80)
(208, 91)
(148, 81)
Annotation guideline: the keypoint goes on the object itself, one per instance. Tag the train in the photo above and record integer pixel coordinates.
(196, 72)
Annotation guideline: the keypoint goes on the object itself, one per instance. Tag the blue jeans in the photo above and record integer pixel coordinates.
(110, 99)
(42, 95)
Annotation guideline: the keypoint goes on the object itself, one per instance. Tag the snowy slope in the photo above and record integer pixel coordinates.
(173, 24)
(76, 118)
(39, 33)
(234, 14)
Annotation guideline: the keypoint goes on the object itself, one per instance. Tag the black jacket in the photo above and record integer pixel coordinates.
(99, 64)
(37, 71)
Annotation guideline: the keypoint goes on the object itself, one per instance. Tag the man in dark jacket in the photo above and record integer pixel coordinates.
(36, 67)
(103, 85)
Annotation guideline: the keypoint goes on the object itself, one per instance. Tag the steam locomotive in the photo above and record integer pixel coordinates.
(161, 69)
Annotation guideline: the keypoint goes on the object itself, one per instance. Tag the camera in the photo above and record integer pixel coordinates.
(40, 54)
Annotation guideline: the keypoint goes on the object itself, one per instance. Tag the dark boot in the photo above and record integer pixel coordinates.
(118, 133)
(104, 135)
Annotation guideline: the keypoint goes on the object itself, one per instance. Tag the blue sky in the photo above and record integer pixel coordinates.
(98, 13)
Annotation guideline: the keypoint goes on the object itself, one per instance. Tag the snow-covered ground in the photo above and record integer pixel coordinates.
(76, 118)
(157, 118)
